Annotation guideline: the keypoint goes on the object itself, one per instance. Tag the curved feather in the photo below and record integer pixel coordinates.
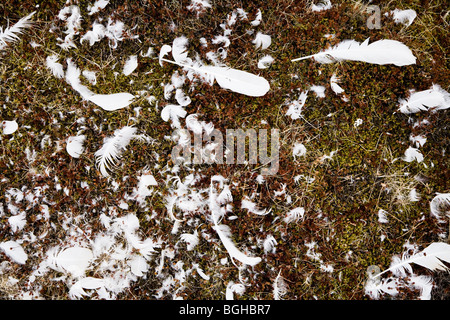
(224, 233)
(432, 257)
(114, 101)
(112, 149)
(379, 52)
(12, 33)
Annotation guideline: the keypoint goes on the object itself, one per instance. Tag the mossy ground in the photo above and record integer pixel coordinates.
(348, 190)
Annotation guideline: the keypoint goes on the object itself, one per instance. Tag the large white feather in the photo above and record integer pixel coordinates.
(12, 33)
(378, 52)
(232, 79)
(431, 257)
(112, 148)
(435, 97)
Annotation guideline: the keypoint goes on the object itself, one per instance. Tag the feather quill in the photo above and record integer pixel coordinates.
(432, 257)
(378, 52)
(112, 148)
(11, 34)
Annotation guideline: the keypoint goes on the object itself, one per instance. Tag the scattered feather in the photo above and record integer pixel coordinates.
(279, 287)
(258, 19)
(97, 6)
(251, 207)
(114, 101)
(232, 79)
(173, 112)
(232, 288)
(75, 146)
(269, 244)
(321, 6)
(434, 98)
(11, 34)
(318, 90)
(298, 150)
(412, 154)
(265, 62)
(191, 239)
(112, 148)
(95, 35)
(262, 41)
(405, 17)
(432, 258)
(295, 107)
(440, 205)
(334, 84)
(382, 216)
(378, 52)
(18, 221)
(130, 65)
(294, 215)
(73, 260)
(55, 67)
(14, 251)
(9, 127)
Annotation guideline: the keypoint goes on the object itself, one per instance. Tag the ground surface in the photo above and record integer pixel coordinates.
(323, 255)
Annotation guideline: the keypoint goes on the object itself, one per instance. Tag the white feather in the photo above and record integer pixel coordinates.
(405, 17)
(265, 62)
(224, 233)
(9, 127)
(191, 239)
(111, 102)
(435, 97)
(97, 33)
(12, 33)
(440, 204)
(269, 244)
(294, 215)
(112, 148)
(18, 221)
(97, 6)
(295, 107)
(73, 260)
(233, 288)
(262, 41)
(322, 5)
(432, 257)
(55, 67)
(74, 145)
(173, 112)
(14, 251)
(73, 78)
(232, 79)
(334, 84)
(412, 154)
(258, 19)
(279, 287)
(251, 207)
(378, 52)
(130, 65)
